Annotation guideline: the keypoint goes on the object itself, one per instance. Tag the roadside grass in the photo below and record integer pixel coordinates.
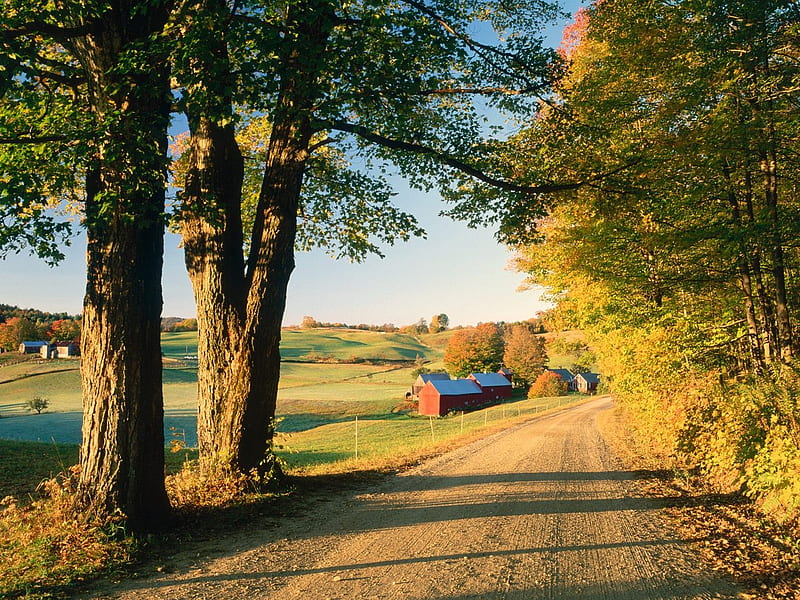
(389, 442)
(45, 550)
(27, 464)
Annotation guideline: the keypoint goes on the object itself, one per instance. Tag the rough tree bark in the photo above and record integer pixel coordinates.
(240, 306)
(122, 454)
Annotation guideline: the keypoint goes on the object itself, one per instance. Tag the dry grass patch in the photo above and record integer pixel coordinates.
(45, 549)
(735, 539)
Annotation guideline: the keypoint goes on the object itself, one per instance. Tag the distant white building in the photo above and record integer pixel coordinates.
(48, 350)
(32, 347)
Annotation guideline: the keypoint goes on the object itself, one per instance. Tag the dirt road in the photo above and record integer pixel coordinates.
(541, 510)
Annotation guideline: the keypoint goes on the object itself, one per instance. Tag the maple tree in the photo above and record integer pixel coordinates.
(547, 385)
(84, 111)
(478, 350)
(65, 330)
(17, 330)
(524, 353)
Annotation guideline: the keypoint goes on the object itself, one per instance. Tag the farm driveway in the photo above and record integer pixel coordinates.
(541, 510)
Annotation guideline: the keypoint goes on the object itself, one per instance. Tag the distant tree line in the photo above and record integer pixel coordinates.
(20, 325)
(178, 324)
(491, 346)
(311, 323)
(8, 311)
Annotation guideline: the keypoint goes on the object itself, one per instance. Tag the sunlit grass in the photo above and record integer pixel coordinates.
(380, 443)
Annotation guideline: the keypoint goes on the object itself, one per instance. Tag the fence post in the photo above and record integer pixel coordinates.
(462, 421)
(433, 439)
(356, 437)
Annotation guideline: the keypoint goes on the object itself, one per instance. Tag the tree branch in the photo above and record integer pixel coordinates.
(54, 31)
(485, 51)
(485, 91)
(37, 139)
(450, 161)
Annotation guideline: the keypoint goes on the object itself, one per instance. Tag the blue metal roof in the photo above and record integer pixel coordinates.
(426, 377)
(491, 379)
(456, 387)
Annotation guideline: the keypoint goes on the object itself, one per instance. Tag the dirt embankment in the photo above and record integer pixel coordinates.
(541, 510)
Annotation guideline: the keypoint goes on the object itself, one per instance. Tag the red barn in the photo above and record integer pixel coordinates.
(495, 386)
(438, 397)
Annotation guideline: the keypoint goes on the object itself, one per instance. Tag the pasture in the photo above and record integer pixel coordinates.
(333, 417)
(310, 394)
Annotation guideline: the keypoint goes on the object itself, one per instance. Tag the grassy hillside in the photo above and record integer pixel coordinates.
(346, 344)
(310, 393)
(320, 343)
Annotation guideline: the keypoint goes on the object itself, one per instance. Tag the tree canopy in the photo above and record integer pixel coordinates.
(680, 260)
(478, 350)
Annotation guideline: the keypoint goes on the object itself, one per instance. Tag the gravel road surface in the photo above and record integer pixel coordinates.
(540, 510)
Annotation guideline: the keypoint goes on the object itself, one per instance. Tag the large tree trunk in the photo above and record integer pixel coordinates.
(783, 320)
(212, 226)
(270, 265)
(754, 343)
(122, 454)
(212, 235)
(240, 311)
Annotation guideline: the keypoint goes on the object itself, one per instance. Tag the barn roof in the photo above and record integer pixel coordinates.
(491, 379)
(34, 344)
(589, 377)
(455, 387)
(426, 377)
(565, 374)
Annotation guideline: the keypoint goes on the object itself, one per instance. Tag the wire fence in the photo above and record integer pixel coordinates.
(367, 440)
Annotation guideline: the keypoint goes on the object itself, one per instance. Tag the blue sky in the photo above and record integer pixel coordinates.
(458, 271)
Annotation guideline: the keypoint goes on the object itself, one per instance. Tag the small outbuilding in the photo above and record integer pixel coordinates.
(424, 378)
(586, 383)
(64, 350)
(440, 396)
(507, 373)
(495, 386)
(566, 376)
(32, 347)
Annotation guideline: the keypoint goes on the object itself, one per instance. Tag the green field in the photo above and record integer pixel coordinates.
(392, 439)
(310, 394)
(318, 402)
